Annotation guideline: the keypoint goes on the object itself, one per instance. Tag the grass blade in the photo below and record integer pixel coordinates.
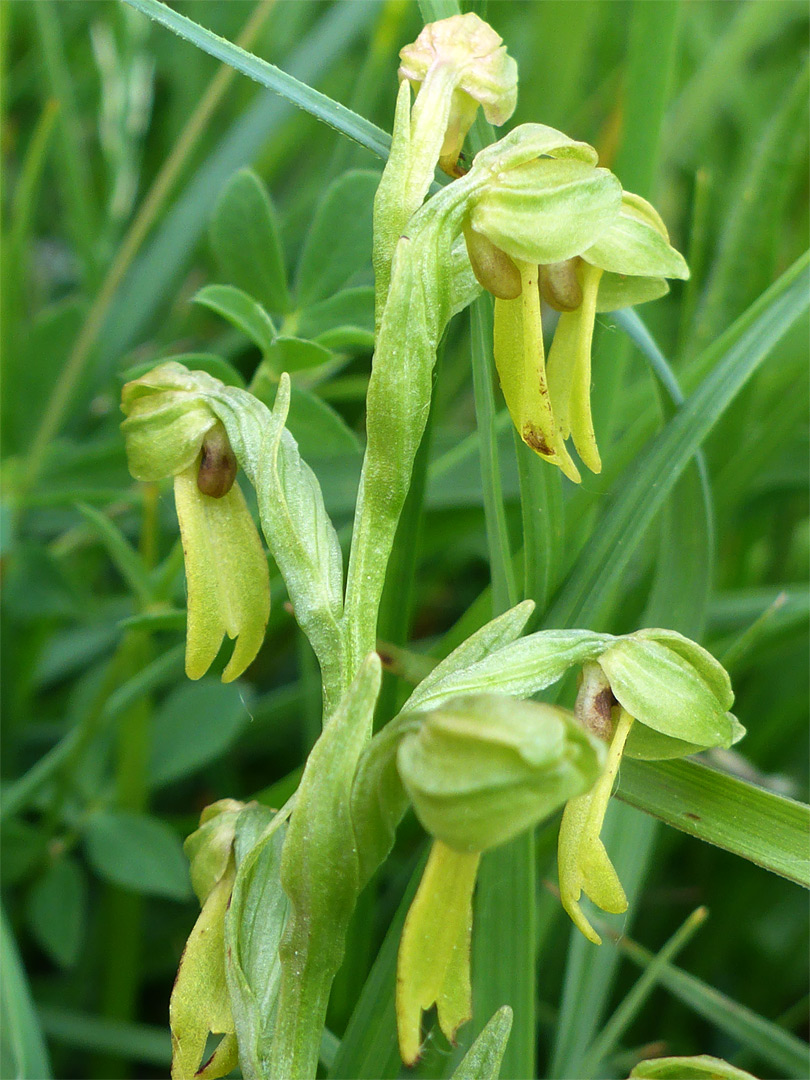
(294, 90)
(23, 1049)
(767, 829)
(504, 588)
(632, 1002)
(781, 1049)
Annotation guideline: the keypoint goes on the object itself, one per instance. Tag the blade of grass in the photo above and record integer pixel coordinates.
(294, 90)
(684, 567)
(621, 1019)
(74, 176)
(24, 1055)
(138, 1042)
(503, 950)
(504, 588)
(767, 829)
(782, 1050)
(543, 515)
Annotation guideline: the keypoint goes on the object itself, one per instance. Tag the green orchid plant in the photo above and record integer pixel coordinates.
(533, 219)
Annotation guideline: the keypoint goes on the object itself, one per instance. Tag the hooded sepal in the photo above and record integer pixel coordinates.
(482, 769)
(636, 255)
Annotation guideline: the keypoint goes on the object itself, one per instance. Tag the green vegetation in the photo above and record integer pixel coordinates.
(212, 248)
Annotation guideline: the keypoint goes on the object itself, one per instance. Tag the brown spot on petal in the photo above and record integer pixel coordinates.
(536, 440)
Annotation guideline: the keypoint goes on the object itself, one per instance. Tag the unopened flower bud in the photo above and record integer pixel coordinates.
(482, 769)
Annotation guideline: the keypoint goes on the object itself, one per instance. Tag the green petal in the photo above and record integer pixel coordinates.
(226, 574)
(636, 243)
(520, 360)
(620, 291)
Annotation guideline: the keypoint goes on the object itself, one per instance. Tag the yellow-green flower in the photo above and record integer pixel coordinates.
(627, 265)
(170, 431)
(479, 770)
(653, 694)
(546, 203)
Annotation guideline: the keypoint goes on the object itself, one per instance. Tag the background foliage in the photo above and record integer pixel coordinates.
(109, 754)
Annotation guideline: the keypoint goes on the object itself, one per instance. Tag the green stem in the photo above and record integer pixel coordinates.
(301, 1014)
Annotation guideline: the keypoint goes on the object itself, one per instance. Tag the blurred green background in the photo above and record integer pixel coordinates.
(108, 753)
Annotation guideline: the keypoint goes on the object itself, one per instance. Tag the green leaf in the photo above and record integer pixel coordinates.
(151, 280)
(127, 561)
(141, 1042)
(294, 354)
(520, 669)
(319, 430)
(338, 245)
(767, 829)
(194, 726)
(57, 910)
(483, 1060)
(343, 320)
(245, 239)
(254, 926)
(241, 310)
(138, 853)
(23, 1054)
